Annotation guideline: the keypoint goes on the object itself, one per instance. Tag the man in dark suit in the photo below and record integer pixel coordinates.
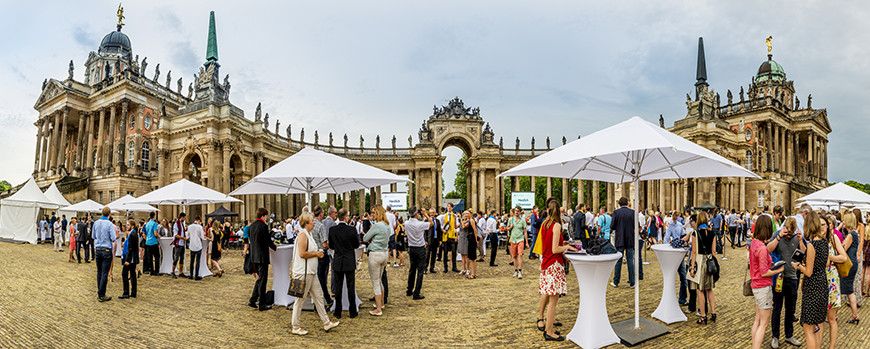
(260, 243)
(83, 237)
(580, 230)
(434, 239)
(130, 257)
(623, 228)
(343, 239)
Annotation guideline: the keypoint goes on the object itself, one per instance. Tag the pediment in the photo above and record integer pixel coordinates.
(52, 89)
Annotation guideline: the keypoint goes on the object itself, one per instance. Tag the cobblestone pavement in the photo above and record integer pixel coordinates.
(47, 302)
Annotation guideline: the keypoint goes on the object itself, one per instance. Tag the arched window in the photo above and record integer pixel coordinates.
(146, 156)
(131, 154)
(749, 160)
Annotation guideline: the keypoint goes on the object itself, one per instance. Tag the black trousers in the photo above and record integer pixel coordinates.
(259, 292)
(128, 273)
(83, 245)
(91, 245)
(104, 264)
(493, 240)
(195, 257)
(433, 253)
(789, 295)
(449, 246)
(732, 232)
(386, 284)
(152, 259)
(323, 275)
(418, 266)
(342, 277)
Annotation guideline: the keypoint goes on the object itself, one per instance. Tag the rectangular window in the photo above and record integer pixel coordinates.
(761, 198)
(100, 197)
(111, 195)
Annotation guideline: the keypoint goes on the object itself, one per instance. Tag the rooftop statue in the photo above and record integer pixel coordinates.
(71, 69)
(258, 113)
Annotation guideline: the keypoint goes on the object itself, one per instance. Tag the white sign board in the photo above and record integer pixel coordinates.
(523, 199)
(396, 201)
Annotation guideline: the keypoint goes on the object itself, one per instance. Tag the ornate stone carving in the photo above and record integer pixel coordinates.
(394, 141)
(797, 103)
(266, 122)
(289, 130)
(258, 114)
(157, 72)
(189, 90)
(143, 66)
(455, 108)
(227, 88)
(71, 69)
(179, 85)
(277, 126)
(810, 101)
(410, 142)
(730, 97)
(741, 94)
(168, 79)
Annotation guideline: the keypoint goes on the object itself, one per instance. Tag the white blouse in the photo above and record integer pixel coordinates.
(299, 265)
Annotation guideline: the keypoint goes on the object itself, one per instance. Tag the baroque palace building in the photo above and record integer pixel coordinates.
(120, 132)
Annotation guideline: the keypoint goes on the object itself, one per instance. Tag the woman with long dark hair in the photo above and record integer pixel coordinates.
(702, 251)
(552, 282)
(759, 267)
(815, 286)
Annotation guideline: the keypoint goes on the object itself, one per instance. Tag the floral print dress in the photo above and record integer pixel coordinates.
(834, 300)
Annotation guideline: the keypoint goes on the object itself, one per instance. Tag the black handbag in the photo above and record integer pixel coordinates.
(297, 284)
(248, 266)
(712, 266)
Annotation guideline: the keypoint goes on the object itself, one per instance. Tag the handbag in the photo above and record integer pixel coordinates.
(297, 284)
(693, 267)
(247, 266)
(844, 268)
(712, 266)
(747, 284)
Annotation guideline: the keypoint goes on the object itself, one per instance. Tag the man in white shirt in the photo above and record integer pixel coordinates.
(416, 229)
(196, 234)
(590, 218)
(492, 231)
(289, 230)
(58, 240)
(481, 233)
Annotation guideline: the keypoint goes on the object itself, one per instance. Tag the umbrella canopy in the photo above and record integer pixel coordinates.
(707, 206)
(221, 212)
(313, 171)
(29, 196)
(53, 194)
(183, 192)
(630, 151)
(89, 206)
(123, 204)
(838, 194)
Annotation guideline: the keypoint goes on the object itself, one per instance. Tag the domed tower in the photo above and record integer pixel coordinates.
(771, 83)
(113, 57)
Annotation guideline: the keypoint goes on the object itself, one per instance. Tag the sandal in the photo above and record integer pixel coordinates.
(470, 277)
(541, 328)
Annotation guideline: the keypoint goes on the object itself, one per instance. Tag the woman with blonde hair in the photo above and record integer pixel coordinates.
(378, 238)
(305, 266)
(216, 237)
(72, 237)
(469, 230)
(866, 262)
(851, 243)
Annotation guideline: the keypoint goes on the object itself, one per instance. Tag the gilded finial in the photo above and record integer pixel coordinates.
(120, 16)
(769, 44)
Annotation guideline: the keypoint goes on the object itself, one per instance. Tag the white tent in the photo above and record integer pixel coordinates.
(312, 171)
(123, 204)
(53, 194)
(88, 206)
(839, 194)
(631, 151)
(183, 192)
(20, 212)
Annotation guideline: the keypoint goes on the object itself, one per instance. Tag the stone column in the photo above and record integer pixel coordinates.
(52, 140)
(122, 139)
(565, 196)
(79, 136)
(661, 189)
(475, 200)
(258, 160)
(549, 187)
(62, 146)
(101, 139)
(226, 170)
(535, 192)
(581, 192)
(361, 201)
(46, 136)
(596, 196)
(481, 182)
(110, 153)
(38, 146)
(795, 153)
(515, 184)
(439, 192)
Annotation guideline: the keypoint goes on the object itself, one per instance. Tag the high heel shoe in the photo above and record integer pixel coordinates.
(854, 321)
(702, 320)
(713, 317)
(541, 328)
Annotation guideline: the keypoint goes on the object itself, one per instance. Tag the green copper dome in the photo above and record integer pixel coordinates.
(770, 70)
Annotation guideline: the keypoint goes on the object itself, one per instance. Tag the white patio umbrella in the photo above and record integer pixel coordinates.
(88, 206)
(185, 193)
(312, 171)
(123, 204)
(839, 194)
(631, 151)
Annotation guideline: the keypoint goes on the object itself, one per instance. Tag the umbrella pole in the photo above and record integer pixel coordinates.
(636, 257)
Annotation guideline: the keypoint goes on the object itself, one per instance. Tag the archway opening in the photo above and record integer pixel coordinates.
(455, 183)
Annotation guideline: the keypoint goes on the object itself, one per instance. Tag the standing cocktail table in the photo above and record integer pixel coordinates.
(592, 328)
(280, 259)
(166, 255)
(669, 259)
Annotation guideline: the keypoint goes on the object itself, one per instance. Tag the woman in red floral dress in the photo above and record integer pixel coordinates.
(552, 282)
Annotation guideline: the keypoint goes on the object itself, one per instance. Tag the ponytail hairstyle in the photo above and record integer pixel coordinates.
(554, 213)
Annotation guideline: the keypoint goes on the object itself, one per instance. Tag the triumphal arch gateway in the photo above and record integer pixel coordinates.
(123, 128)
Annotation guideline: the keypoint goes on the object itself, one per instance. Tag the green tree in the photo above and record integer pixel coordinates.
(453, 195)
(860, 186)
(4, 185)
(460, 185)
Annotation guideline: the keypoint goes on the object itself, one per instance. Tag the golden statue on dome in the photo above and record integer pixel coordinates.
(769, 45)
(120, 15)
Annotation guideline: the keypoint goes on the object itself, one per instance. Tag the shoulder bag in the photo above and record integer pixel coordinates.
(844, 268)
(297, 283)
(747, 284)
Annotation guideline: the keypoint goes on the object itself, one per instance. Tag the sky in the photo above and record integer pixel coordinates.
(534, 68)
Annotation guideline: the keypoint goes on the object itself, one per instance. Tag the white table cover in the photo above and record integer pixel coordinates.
(203, 259)
(592, 328)
(669, 310)
(280, 259)
(166, 255)
(345, 303)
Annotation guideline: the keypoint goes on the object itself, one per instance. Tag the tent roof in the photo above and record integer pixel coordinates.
(53, 194)
(29, 196)
(222, 212)
(838, 194)
(123, 205)
(89, 206)
(315, 171)
(183, 192)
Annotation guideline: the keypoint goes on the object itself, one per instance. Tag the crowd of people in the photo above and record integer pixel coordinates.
(827, 249)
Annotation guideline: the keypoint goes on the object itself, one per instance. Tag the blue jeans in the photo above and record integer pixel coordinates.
(617, 271)
(534, 236)
(684, 284)
(104, 264)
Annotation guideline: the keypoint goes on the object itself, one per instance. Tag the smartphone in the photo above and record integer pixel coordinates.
(777, 265)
